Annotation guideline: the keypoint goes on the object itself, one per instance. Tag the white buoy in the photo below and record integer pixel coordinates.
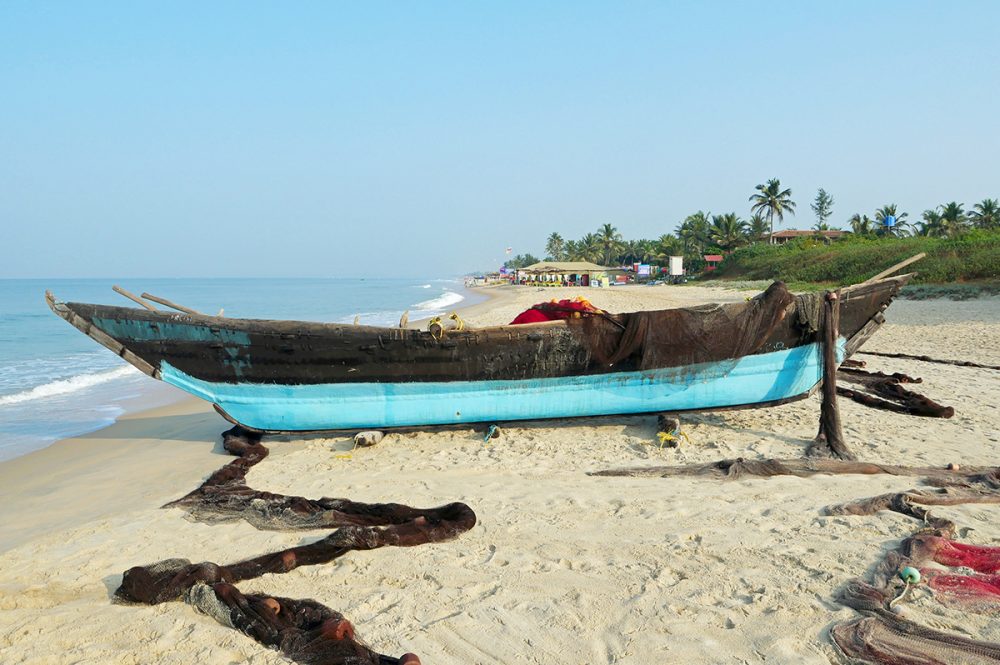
(369, 438)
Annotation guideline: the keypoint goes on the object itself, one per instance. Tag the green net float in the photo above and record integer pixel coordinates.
(910, 575)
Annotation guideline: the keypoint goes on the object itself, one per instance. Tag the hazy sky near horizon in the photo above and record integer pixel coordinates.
(328, 139)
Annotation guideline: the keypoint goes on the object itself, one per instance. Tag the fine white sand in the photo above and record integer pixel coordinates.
(561, 568)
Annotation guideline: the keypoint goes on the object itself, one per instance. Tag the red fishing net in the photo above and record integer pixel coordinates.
(950, 553)
(556, 310)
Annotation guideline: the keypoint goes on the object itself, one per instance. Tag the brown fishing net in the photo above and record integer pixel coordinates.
(928, 359)
(887, 638)
(885, 391)
(741, 467)
(304, 630)
(882, 636)
(677, 337)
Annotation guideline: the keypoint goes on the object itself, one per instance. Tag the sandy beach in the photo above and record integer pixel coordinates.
(561, 568)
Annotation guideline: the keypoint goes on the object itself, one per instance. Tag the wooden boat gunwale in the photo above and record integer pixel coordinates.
(314, 327)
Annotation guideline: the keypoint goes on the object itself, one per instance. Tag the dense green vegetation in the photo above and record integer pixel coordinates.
(962, 245)
(973, 255)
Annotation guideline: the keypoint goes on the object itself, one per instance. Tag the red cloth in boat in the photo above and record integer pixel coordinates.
(556, 310)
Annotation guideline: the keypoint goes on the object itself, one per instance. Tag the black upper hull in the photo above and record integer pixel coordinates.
(229, 350)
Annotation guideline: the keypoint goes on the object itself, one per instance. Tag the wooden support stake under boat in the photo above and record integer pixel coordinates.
(895, 268)
(133, 297)
(830, 439)
(171, 305)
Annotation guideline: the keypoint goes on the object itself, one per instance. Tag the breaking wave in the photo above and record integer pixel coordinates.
(67, 386)
(443, 301)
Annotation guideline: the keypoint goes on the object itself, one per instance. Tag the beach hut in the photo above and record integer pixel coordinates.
(563, 273)
(712, 261)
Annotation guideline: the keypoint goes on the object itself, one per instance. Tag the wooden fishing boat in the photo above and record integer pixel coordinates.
(282, 376)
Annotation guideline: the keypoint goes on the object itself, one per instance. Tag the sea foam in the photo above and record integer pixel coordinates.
(443, 301)
(67, 386)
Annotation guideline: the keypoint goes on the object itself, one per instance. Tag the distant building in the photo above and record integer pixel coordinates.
(781, 237)
(712, 261)
(566, 273)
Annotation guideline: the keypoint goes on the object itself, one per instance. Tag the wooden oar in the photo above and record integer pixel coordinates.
(895, 268)
(133, 297)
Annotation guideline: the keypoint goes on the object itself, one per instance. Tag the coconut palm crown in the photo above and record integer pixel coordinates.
(728, 231)
(773, 202)
(862, 225)
(884, 213)
(694, 232)
(953, 218)
(986, 214)
(555, 247)
(610, 240)
(756, 228)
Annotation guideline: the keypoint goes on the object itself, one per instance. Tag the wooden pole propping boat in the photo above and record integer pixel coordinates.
(830, 439)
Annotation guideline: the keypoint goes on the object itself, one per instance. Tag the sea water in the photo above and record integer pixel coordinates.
(56, 382)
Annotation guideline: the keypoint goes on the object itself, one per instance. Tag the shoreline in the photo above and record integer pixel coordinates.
(141, 397)
(680, 569)
(500, 304)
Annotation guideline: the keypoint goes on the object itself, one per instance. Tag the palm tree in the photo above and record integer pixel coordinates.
(883, 214)
(610, 240)
(756, 228)
(694, 232)
(773, 201)
(667, 246)
(645, 250)
(555, 246)
(931, 224)
(588, 249)
(728, 231)
(628, 251)
(571, 250)
(636, 251)
(862, 225)
(953, 218)
(521, 261)
(986, 214)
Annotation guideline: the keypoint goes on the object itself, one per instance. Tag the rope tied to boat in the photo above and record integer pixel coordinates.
(492, 432)
(672, 439)
(435, 328)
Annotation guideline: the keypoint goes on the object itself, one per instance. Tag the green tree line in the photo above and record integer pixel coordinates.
(703, 233)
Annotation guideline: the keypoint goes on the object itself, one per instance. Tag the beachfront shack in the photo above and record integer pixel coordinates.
(565, 273)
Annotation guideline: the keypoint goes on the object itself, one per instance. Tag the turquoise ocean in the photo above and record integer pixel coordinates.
(55, 382)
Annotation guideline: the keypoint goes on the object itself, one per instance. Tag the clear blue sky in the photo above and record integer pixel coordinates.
(295, 139)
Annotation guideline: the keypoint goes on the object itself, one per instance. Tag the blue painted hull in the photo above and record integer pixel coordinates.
(754, 379)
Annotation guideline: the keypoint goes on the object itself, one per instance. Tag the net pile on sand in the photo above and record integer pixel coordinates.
(882, 636)
(304, 630)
